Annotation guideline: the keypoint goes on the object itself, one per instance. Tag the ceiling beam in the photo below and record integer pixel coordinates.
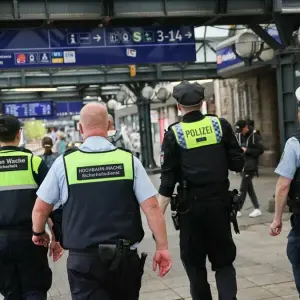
(113, 75)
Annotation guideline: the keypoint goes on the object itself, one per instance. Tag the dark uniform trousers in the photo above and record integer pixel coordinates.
(91, 279)
(24, 268)
(293, 248)
(205, 232)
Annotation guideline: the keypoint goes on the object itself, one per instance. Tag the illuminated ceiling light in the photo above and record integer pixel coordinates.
(31, 90)
(110, 87)
(66, 87)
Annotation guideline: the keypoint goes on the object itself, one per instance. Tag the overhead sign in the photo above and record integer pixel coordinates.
(68, 108)
(227, 58)
(28, 109)
(27, 48)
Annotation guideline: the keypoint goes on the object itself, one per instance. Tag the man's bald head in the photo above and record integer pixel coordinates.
(94, 120)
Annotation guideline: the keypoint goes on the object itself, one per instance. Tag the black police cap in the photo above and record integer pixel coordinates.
(9, 125)
(188, 94)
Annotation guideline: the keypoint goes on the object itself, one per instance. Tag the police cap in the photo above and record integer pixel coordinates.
(9, 125)
(188, 94)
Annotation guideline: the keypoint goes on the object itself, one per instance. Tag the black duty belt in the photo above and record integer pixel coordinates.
(92, 250)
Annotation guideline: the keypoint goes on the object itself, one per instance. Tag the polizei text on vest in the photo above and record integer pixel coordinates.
(199, 131)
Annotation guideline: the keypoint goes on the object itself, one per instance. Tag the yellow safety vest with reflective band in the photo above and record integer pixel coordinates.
(101, 207)
(205, 132)
(16, 170)
(17, 187)
(98, 167)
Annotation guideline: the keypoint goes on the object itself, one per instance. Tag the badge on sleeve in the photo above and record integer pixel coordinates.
(162, 155)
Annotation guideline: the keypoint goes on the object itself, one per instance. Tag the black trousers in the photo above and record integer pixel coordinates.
(24, 269)
(247, 187)
(205, 231)
(90, 278)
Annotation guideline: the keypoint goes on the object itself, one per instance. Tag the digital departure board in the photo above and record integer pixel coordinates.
(29, 109)
(68, 108)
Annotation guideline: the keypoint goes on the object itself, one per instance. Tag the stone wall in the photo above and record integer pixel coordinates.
(258, 93)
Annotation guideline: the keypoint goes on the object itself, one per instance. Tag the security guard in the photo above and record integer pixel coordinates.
(288, 191)
(197, 154)
(24, 269)
(101, 188)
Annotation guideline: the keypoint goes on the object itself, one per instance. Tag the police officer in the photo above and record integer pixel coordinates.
(288, 191)
(101, 188)
(24, 269)
(197, 154)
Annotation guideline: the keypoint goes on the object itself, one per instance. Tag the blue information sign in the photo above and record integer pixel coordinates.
(27, 48)
(28, 109)
(68, 108)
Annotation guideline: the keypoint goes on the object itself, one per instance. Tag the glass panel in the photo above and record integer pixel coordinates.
(200, 56)
(218, 31)
(199, 32)
(210, 55)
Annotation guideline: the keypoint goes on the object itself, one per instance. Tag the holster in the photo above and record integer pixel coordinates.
(112, 255)
(143, 261)
(235, 204)
(174, 211)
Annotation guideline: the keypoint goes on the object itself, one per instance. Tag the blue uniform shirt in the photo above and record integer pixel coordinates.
(54, 189)
(290, 159)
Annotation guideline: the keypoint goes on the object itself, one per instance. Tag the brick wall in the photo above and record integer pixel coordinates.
(262, 97)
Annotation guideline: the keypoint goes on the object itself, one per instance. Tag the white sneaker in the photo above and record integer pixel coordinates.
(255, 213)
(239, 214)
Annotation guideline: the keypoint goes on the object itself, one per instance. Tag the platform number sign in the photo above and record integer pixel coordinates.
(173, 36)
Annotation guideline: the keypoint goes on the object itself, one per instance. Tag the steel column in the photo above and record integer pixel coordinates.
(287, 63)
(144, 108)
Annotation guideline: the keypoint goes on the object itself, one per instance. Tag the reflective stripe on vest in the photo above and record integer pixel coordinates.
(16, 170)
(205, 132)
(83, 167)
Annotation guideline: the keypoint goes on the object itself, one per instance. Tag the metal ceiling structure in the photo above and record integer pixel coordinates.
(132, 13)
(95, 13)
(106, 75)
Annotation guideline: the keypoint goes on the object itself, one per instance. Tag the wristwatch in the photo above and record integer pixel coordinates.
(38, 233)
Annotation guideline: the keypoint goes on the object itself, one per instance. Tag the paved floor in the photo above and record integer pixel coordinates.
(262, 267)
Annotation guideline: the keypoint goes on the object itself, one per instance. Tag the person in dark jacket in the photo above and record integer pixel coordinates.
(251, 143)
(48, 157)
